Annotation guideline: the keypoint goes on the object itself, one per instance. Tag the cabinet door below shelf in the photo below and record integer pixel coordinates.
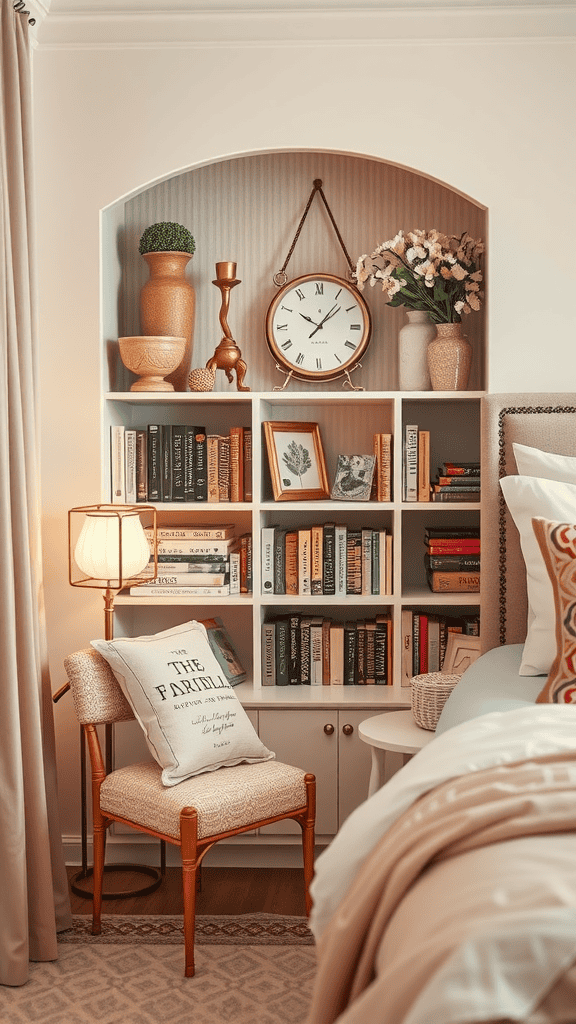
(298, 738)
(355, 761)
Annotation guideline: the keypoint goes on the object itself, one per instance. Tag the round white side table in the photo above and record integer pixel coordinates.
(394, 730)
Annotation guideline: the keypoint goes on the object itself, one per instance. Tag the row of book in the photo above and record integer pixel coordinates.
(180, 463)
(326, 558)
(452, 559)
(425, 637)
(318, 651)
(200, 561)
(454, 481)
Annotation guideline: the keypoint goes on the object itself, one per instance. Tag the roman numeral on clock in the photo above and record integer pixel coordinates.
(350, 344)
(300, 294)
(318, 363)
(319, 288)
(355, 327)
(286, 344)
(300, 358)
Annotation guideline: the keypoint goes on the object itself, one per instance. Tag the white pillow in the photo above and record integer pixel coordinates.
(545, 465)
(191, 717)
(528, 496)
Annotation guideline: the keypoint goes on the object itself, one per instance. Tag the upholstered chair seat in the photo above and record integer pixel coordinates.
(229, 798)
(194, 814)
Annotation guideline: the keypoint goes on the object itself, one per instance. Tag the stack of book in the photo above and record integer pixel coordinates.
(317, 651)
(425, 636)
(326, 558)
(179, 463)
(457, 481)
(452, 559)
(199, 561)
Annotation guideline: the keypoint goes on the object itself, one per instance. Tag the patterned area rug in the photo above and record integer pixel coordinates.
(221, 929)
(143, 983)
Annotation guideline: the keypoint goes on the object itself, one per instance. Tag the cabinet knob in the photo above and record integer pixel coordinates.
(347, 730)
(328, 728)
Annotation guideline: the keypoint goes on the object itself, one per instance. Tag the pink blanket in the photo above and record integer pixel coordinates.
(495, 812)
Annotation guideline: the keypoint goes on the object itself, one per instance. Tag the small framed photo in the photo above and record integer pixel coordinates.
(296, 460)
(353, 480)
(461, 652)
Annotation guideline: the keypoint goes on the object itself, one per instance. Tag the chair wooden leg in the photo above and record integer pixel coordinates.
(189, 851)
(97, 874)
(308, 836)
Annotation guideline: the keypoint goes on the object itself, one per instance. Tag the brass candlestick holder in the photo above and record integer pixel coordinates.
(227, 356)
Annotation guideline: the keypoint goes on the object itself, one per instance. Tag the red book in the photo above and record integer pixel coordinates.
(423, 643)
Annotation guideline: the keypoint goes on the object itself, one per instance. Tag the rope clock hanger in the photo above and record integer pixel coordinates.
(318, 326)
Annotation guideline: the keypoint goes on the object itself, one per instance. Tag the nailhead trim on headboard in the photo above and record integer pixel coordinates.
(502, 508)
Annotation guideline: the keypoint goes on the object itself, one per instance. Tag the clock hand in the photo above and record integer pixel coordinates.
(330, 313)
(309, 319)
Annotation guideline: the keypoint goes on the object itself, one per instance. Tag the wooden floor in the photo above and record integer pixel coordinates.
(223, 891)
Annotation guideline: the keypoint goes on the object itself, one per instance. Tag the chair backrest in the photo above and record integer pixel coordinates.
(97, 696)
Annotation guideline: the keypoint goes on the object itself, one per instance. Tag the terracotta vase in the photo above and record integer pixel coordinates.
(167, 303)
(449, 358)
(413, 338)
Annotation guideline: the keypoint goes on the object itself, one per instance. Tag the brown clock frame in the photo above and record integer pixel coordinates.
(320, 376)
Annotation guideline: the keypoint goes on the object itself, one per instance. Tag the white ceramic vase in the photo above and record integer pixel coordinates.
(413, 339)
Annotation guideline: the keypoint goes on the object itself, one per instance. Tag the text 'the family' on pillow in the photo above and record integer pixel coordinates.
(558, 546)
(192, 719)
(528, 497)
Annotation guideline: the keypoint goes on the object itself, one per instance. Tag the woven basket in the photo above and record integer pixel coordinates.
(429, 693)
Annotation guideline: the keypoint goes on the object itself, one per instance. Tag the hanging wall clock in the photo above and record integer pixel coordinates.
(318, 326)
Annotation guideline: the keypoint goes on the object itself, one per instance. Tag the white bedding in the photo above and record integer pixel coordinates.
(521, 896)
(500, 737)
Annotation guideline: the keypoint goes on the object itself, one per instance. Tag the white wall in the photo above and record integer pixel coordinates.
(489, 111)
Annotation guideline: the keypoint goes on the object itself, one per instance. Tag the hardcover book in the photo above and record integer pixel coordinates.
(337, 654)
(328, 558)
(178, 462)
(154, 463)
(141, 465)
(130, 466)
(316, 567)
(291, 556)
(200, 465)
(454, 582)
(224, 650)
(117, 465)
(236, 463)
(268, 654)
(282, 650)
(411, 462)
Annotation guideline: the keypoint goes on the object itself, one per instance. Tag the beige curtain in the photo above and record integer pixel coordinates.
(34, 902)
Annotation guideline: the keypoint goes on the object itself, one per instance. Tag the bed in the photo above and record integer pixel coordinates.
(449, 896)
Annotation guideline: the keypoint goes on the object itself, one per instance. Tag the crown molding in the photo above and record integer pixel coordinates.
(97, 24)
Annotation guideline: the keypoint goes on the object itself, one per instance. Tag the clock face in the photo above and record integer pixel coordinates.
(318, 327)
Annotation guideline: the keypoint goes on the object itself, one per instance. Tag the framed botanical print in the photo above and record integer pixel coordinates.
(296, 460)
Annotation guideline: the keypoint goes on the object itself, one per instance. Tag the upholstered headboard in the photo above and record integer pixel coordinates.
(545, 421)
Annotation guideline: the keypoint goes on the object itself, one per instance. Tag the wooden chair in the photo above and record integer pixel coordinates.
(193, 815)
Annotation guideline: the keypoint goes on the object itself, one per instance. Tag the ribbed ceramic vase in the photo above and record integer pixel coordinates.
(413, 339)
(449, 358)
(167, 303)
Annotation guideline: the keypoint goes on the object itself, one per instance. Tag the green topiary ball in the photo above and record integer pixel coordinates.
(166, 236)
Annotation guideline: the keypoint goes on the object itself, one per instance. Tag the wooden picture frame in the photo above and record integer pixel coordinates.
(296, 460)
(461, 652)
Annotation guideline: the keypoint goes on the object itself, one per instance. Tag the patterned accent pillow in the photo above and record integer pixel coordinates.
(192, 719)
(557, 543)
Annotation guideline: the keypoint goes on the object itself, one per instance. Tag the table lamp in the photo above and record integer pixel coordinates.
(109, 550)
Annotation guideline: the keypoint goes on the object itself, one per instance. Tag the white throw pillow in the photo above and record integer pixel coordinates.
(528, 497)
(191, 717)
(545, 465)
